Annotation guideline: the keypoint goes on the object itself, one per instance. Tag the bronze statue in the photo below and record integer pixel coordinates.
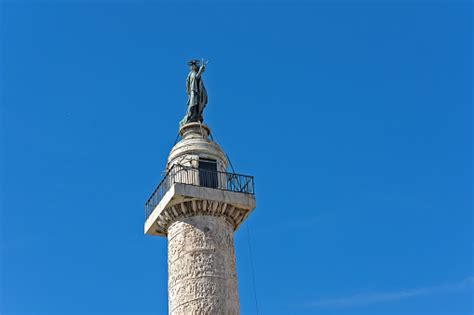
(197, 94)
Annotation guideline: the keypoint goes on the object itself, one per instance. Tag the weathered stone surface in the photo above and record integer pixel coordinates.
(199, 222)
(182, 201)
(202, 276)
(194, 145)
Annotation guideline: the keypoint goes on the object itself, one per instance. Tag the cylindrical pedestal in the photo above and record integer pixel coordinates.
(202, 276)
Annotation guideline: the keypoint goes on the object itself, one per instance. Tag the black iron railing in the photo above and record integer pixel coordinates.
(199, 177)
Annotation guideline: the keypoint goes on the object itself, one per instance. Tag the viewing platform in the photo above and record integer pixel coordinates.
(186, 191)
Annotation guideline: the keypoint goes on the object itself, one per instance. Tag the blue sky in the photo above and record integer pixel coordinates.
(355, 117)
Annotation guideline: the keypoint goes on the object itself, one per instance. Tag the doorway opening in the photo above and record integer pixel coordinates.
(208, 173)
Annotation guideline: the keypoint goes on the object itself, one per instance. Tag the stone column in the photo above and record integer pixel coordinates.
(202, 276)
(199, 222)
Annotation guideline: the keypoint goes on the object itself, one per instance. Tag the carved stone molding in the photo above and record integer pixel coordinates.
(194, 207)
(196, 143)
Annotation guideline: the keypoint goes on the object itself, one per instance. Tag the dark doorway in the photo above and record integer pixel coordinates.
(208, 173)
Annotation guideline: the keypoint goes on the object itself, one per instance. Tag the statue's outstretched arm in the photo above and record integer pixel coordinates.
(201, 70)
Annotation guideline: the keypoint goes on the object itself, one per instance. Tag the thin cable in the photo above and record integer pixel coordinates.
(226, 155)
(230, 163)
(248, 238)
(251, 264)
(176, 141)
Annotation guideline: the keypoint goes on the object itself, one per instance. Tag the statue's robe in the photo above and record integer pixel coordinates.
(197, 98)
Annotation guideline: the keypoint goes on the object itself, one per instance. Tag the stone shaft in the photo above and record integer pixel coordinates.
(202, 276)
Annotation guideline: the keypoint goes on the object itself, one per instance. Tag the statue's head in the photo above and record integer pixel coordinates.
(194, 64)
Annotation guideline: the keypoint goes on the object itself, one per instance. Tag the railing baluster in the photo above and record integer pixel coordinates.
(198, 177)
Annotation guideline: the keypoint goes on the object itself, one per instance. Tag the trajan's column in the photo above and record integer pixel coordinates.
(198, 205)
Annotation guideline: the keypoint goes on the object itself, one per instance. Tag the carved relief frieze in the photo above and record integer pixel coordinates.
(202, 276)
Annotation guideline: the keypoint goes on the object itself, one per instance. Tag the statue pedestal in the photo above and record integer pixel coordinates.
(194, 129)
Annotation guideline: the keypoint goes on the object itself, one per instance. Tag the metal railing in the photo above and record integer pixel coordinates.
(199, 177)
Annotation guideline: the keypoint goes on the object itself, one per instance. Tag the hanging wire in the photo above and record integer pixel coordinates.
(176, 141)
(251, 264)
(226, 155)
(230, 163)
(249, 243)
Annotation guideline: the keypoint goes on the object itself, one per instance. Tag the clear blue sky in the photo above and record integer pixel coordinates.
(354, 117)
